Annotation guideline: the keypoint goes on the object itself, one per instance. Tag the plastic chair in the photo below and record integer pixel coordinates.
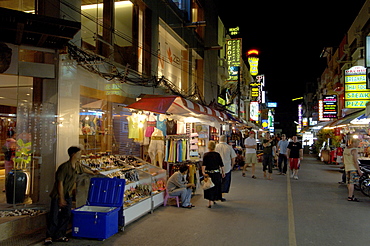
(167, 196)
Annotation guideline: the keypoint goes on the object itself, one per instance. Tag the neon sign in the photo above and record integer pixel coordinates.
(356, 95)
(253, 61)
(233, 54)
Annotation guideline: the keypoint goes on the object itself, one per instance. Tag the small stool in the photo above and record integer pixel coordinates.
(167, 196)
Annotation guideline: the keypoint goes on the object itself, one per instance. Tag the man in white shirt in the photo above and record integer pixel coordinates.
(250, 145)
(228, 158)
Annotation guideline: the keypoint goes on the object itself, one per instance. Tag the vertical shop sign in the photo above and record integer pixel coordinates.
(233, 55)
(300, 115)
(356, 94)
(253, 61)
(321, 111)
(329, 104)
(254, 111)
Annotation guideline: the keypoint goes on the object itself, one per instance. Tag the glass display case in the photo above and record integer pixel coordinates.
(159, 179)
(145, 183)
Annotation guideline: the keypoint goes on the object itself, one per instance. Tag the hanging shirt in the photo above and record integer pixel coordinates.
(161, 125)
(133, 126)
(171, 126)
(150, 128)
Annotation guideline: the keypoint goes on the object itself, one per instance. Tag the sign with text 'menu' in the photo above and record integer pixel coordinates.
(356, 94)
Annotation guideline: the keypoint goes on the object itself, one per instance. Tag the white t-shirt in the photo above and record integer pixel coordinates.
(250, 141)
(227, 153)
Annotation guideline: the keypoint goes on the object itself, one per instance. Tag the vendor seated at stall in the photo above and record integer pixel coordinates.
(178, 186)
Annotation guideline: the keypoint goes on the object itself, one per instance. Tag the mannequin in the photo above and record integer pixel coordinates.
(156, 147)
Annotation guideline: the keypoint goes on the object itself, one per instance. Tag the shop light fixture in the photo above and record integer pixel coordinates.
(100, 5)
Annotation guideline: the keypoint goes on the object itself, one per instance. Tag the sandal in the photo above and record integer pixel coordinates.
(63, 239)
(352, 199)
(48, 241)
(243, 174)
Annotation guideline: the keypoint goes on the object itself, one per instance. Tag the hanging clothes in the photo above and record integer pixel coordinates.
(133, 126)
(184, 151)
(161, 124)
(150, 128)
(181, 127)
(171, 126)
(167, 150)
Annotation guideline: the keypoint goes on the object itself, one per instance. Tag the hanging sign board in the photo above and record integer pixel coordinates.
(329, 106)
(356, 95)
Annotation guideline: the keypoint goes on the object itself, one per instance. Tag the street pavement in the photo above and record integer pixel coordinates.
(312, 210)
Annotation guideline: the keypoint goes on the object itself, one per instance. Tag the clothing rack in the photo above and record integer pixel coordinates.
(178, 136)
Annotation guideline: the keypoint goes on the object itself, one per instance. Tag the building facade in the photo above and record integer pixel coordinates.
(68, 82)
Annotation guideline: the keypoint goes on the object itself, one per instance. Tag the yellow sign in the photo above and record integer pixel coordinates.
(356, 95)
(253, 63)
(355, 79)
(356, 104)
(355, 87)
(233, 56)
(234, 31)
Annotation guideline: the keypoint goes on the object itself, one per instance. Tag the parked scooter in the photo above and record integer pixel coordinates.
(364, 181)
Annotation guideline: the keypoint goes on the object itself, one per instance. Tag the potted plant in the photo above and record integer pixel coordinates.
(22, 155)
(16, 182)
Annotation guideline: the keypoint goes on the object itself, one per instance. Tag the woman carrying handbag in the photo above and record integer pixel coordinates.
(213, 168)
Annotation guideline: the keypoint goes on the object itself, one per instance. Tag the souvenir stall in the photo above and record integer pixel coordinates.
(181, 131)
(145, 183)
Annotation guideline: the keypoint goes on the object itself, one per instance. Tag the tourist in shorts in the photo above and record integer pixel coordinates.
(250, 145)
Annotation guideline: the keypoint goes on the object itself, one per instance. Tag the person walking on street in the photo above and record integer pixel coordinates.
(295, 155)
(268, 154)
(228, 158)
(250, 145)
(61, 196)
(213, 167)
(282, 148)
(178, 186)
(352, 169)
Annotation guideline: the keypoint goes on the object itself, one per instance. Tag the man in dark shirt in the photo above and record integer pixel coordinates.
(61, 196)
(295, 154)
(268, 154)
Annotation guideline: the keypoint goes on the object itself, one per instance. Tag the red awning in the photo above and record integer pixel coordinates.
(175, 105)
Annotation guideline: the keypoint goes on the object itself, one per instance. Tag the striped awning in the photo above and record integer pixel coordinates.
(175, 105)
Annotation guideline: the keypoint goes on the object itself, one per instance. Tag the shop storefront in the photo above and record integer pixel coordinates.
(28, 105)
(333, 137)
(174, 130)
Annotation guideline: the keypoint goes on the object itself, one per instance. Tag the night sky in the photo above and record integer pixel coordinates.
(290, 36)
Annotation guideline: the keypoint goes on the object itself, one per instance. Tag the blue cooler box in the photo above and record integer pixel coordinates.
(103, 213)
